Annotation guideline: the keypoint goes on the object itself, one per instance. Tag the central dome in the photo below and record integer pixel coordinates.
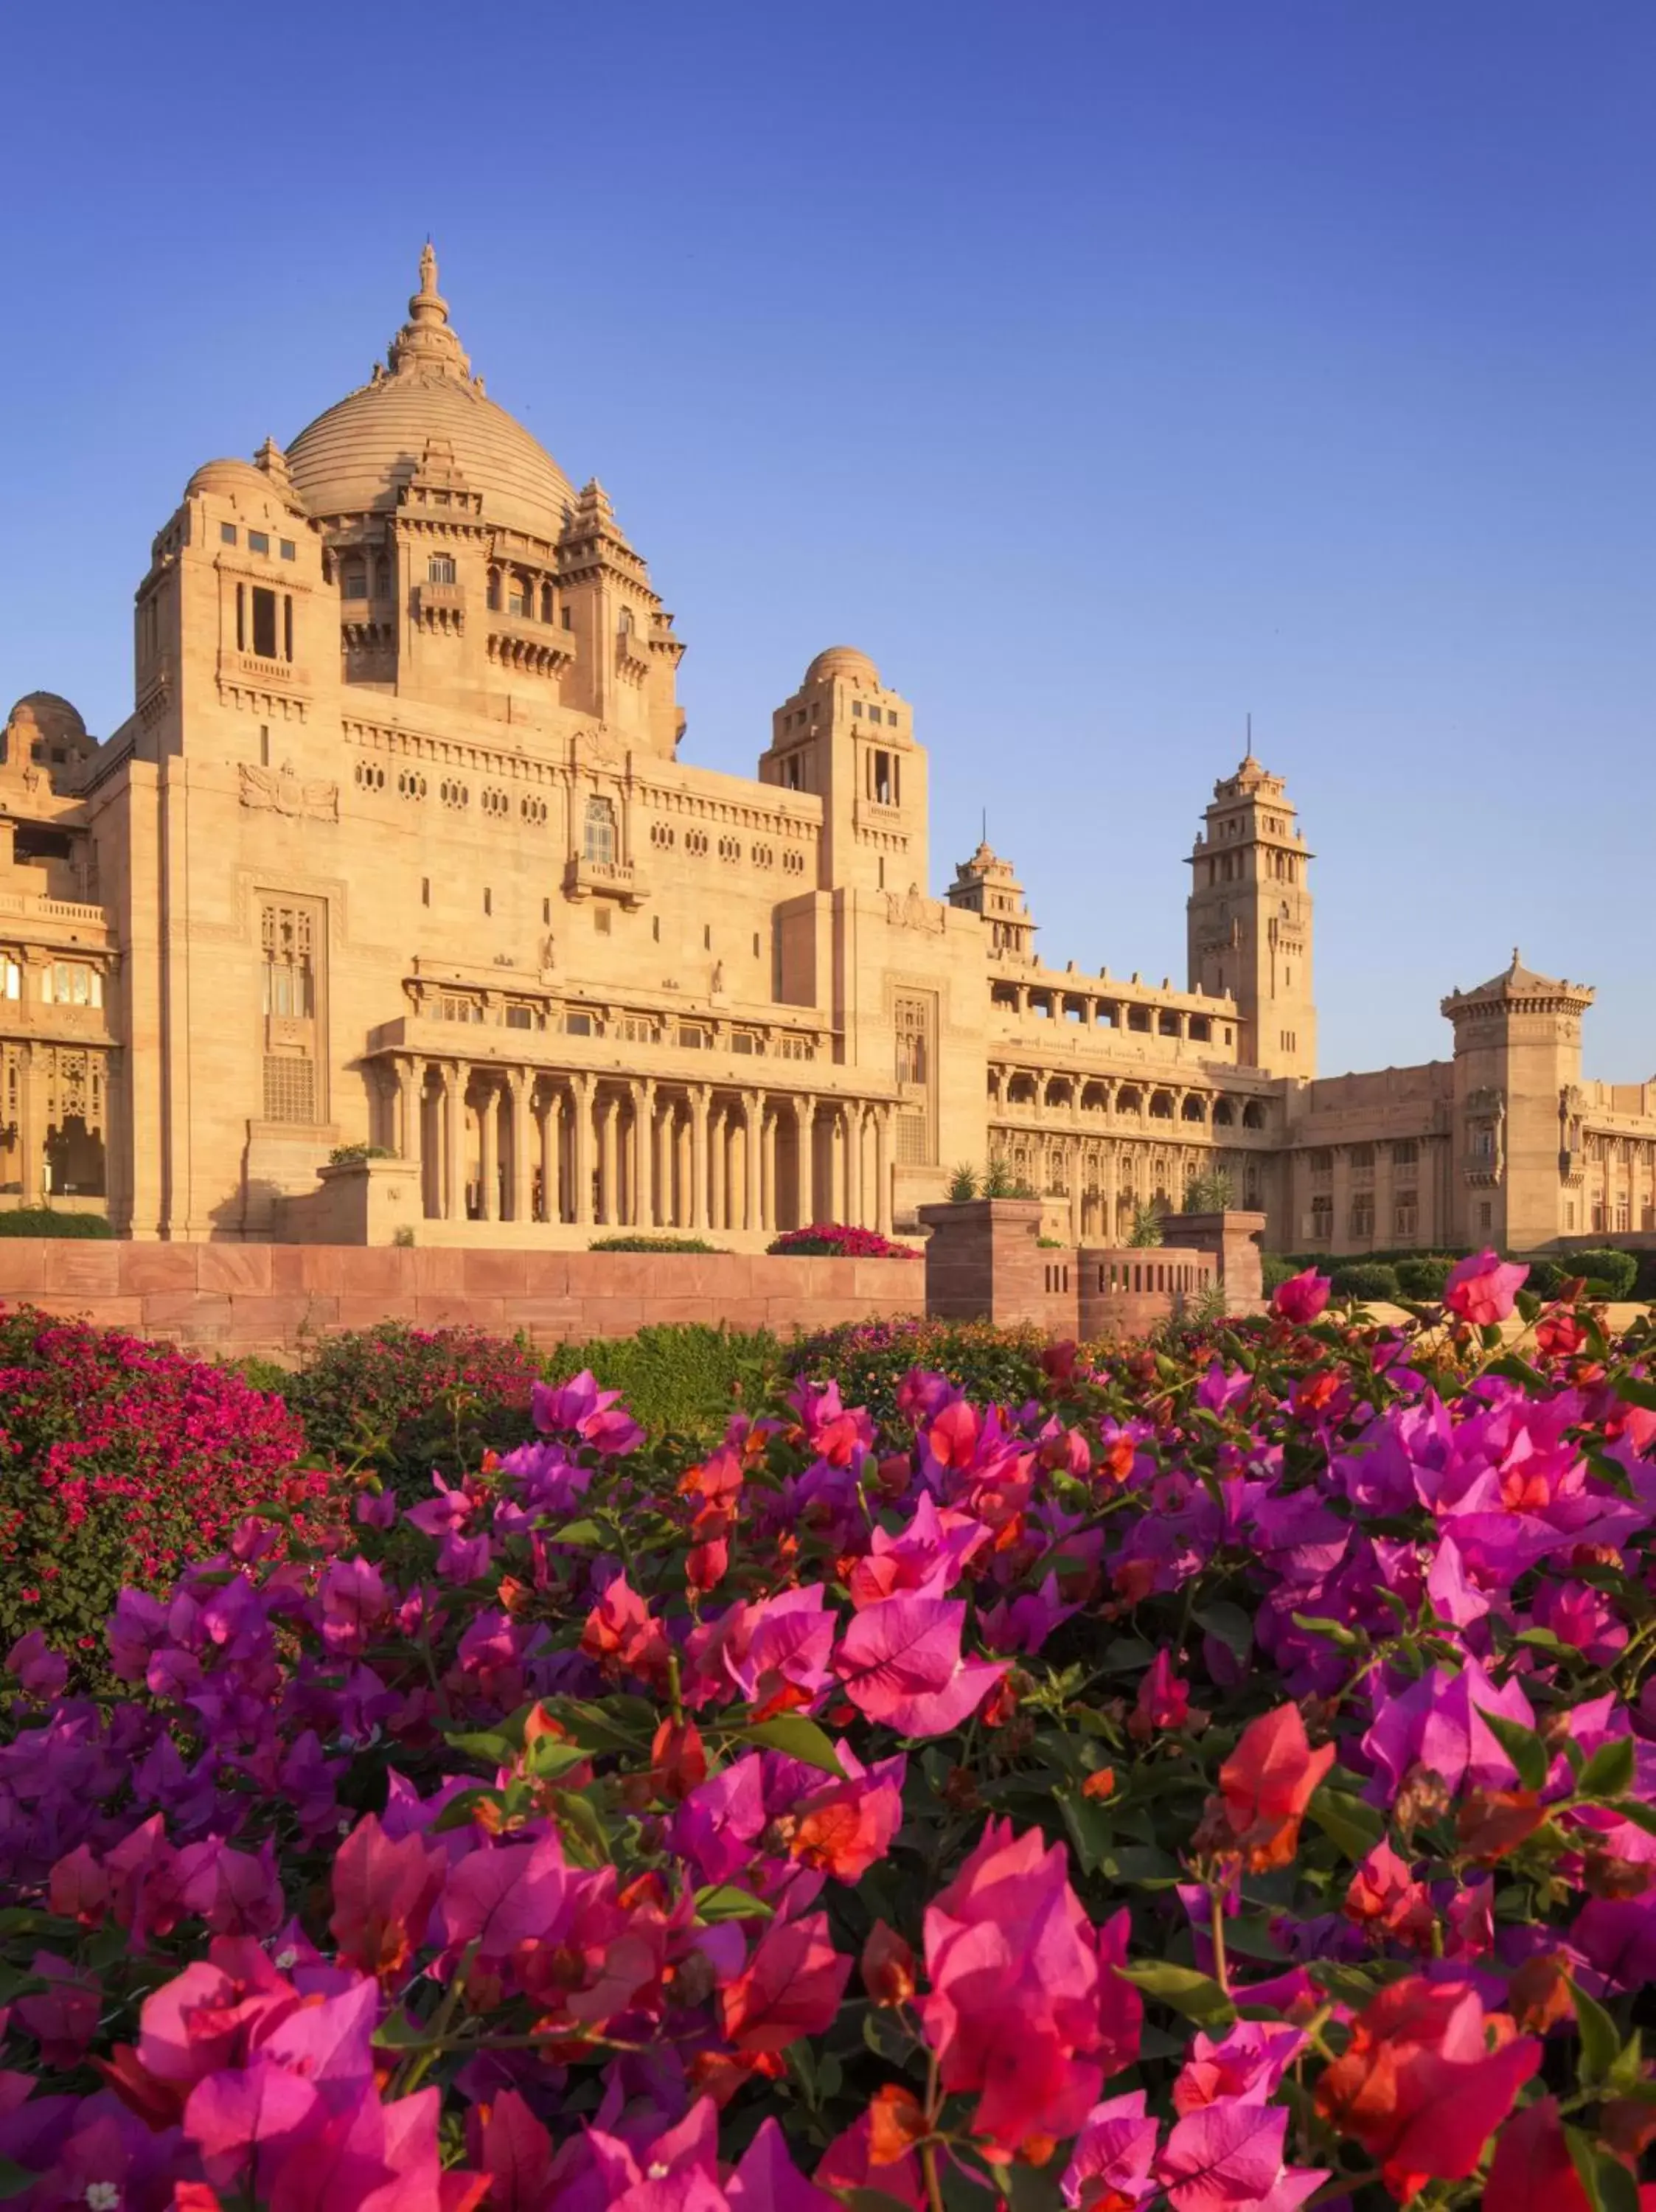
(355, 458)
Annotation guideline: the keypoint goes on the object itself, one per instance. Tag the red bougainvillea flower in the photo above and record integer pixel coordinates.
(1266, 1784)
(1163, 1700)
(1532, 2170)
(792, 1986)
(1301, 1297)
(1425, 2080)
(1481, 1289)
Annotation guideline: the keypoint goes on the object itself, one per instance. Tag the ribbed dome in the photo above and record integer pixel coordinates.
(355, 457)
(843, 660)
(229, 476)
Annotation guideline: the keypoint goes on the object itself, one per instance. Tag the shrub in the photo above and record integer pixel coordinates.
(1423, 1279)
(999, 1181)
(1275, 1269)
(1147, 1227)
(1365, 1279)
(645, 1243)
(839, 1240)
(963, 1183)
(1610, 1273)
(868, 1360)
(350, 1156)
(404, 1401)
(680, 1378)
(1213, 1193)
(47, 1221)
(120, 1460)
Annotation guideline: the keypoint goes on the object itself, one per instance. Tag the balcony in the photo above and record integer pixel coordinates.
(520, 641)
(268, 675)
(617, 879)
(441, 606)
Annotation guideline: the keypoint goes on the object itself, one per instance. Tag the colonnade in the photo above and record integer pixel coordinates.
(522, 1144)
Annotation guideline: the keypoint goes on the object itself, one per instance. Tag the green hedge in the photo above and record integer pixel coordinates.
(1608, 1272)
(646, 1243)
(685, 1378)
(1423, 1279)
(46, 1221)
(1366, 1280)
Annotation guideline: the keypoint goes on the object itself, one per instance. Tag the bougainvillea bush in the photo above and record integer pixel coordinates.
(840, 1240)
(1219, 1781)
(120, 1460)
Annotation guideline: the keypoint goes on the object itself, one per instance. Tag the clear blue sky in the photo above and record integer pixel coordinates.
(1106, 371)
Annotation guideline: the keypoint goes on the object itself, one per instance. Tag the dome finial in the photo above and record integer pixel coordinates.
(425, 341)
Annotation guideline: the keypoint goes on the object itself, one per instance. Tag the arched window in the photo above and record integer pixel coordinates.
(546, 603)
(353, 583)
(517, 600)
(439, 570)
(493, 592)
(600, 842)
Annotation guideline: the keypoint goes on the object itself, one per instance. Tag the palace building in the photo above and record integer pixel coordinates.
(396, 850)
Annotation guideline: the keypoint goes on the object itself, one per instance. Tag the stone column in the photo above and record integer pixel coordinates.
(454, 1138)
(551, 1115)
(701, 1095)
(752, 1107)
(410, 1075)
(1075, 1200)
(644, 1123)
(1385, 1197)
(718, 1141)
(488, 1151)
(851, 1120)
(31, 1122)
(519, 1083)
(768, 1193)
(607, 1109)
(1342, 1194)
(885, 1116)
(805, 1146)
(580, 1160)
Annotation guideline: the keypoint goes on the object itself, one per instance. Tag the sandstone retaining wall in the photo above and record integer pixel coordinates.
(271, 1299)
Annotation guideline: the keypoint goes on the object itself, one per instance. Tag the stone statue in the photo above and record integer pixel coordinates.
(716, 987)
(549, 953)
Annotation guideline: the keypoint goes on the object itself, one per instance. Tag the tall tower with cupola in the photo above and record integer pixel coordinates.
(1249, 920)
(844, 735)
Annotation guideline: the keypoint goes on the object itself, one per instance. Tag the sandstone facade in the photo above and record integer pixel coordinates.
(396, 850)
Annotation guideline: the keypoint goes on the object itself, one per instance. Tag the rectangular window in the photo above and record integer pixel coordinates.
(11, 980)
(856, 709)
(226, 534)
(241, 618)
(519, 1017)
(884, 794)
(264, 623)
(287, 626)
(577, 1025)
(568, 618)
(1405, 1216)
(439, 570)
(1485, 1216)
(288, 550)
(1404, 1152)
(891, 717)
(692, 1038)
(1322, 1219)
(289, 986)
(289, 1088)
(258, 541)
(603, 921)
(516, 597)
(71, 983)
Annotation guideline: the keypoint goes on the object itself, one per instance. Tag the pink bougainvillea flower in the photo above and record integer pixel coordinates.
(383, 1895)
(1247, 2066)
(767, 2179)
(1228, 2158)
(1109, 2169)
(597, 1416)
(930, 1555)
(848, 2163)
(1481, 1289)
(1438, 1722)
(1419, 2086)
(41, 1673)
(1163, 1698)
(1301, 1297)
(792, 1986)
(1266, 1784)
(901, 1662)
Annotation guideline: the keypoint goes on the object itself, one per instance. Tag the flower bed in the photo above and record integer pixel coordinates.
(838, 1240)
(1220, 1778)
(120, 1460)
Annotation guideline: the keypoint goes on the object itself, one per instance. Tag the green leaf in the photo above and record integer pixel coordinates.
(1637, 1390)
(723, 1900)
(798, 1738)
(491, 1744)
(1090, 1830)
(1601, 2039)
(1347, 1821)
(1608, 1773)
(396, 2031)
(577, 1532)
(1198, 1996)
(14, 2181)
(1522, 1746)
(1608, 2185)
(549, 1756)
(1347, 1639)
(1641, 1815)
(458, 1813)
(1230, 1624)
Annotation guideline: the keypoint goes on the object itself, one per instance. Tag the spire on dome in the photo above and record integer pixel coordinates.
(426, 343)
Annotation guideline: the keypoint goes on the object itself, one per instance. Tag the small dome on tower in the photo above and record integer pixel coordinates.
(843, 660)
(229, 476)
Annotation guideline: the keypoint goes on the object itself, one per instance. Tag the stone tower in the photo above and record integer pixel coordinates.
(986, 885)
(1250, 920)
(1516, 1163)
(844, 736)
